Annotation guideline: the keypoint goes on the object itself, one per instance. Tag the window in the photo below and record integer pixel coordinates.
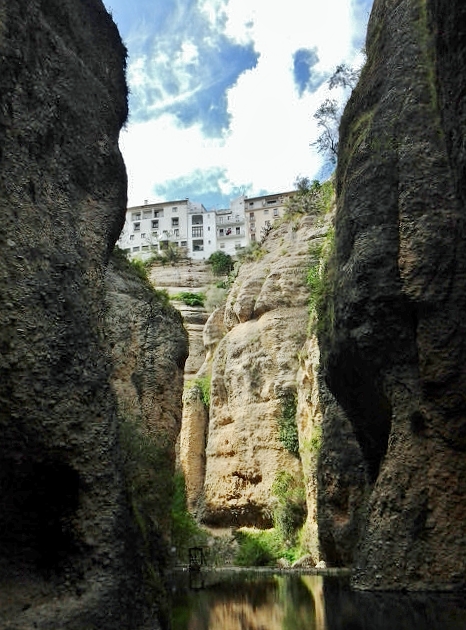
(267, 224)
(131, 237)
(136, 227)
(198, 232)
(238, 230)
(197, 219)
(176, 233)
(145, 247)
(135, 249)
(147, 214)
(158, 213)
(221, 232)
(208, 229)
(220, 219)
(184, 243)
(275, 212)
(251, 216)
(143, 235)
(266, 211)
(155, 224)
(251, 204)
(175, 209)
(175, 222)
(253, 237)
(135, 216)
(271, 202)
(222, 245)
(198, 246)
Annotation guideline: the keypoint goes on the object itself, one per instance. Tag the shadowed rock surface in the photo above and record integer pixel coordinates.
(67, 550)
(394, 349)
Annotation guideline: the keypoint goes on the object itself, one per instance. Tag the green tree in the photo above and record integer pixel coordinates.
(329, 113)
(221, 263)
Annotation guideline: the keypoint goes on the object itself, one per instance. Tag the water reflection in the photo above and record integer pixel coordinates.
(251, 601)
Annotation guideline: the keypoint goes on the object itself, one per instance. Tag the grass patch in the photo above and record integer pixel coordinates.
(203, 385)
(190, 299)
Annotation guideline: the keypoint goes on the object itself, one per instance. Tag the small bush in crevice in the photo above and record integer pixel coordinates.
(203, 384)
(288, 430)
(290, 511)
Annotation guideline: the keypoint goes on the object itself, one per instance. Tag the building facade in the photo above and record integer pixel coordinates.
(152, 228)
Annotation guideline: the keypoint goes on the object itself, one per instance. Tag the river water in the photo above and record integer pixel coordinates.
(283, 601)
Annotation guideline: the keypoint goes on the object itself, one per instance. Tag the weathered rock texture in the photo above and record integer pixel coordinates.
(193, 435)
(192, 277)
(394, 352)
(254, 367)
(149, 349)
(66, 558)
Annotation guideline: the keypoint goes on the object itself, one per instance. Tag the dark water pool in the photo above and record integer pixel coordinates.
(268, 601)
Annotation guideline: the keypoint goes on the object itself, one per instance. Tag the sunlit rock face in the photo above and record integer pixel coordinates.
(62, 202)
(254, 368)
(394, 352)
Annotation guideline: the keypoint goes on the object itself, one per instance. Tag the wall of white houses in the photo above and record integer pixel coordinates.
(151, 228)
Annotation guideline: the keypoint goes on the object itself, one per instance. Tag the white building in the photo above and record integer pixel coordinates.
(149, 229)
(262, 212)
(231, 227)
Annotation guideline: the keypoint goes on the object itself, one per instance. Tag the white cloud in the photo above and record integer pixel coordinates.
(267, 143)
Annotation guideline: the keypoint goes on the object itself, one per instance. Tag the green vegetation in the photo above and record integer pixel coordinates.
(138, 268)
(290, 512)
(185, 530)
(221, 263)
(320, 281)
(148, 477)
(310, 198)
(203, 385)
(288, 430)
(251, 253)
(257, 547)
(190, 299)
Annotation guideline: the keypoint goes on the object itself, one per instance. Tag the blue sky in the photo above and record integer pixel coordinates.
(222, 92)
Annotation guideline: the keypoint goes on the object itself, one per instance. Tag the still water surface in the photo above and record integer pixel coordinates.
(258, 601)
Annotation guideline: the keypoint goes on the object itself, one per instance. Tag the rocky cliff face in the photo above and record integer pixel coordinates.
(394, 343)
(65, 555)
(192, 277)
(149, 349)
(254, 379)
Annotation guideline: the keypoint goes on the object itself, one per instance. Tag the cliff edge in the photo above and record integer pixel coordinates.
(393, 346)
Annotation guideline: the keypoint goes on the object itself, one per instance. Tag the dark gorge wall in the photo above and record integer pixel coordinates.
(393, 348)
(62, 205)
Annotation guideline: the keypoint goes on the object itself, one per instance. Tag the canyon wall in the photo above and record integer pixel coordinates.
(393, 340)
(70, 555)
(254, 360)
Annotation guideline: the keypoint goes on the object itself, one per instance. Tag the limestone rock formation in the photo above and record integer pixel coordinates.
(254, 377)
(193, 435)
(191, 277)
(149, 349)
(394, 350)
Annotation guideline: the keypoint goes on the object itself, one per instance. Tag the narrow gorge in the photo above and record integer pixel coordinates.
(325, 397)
